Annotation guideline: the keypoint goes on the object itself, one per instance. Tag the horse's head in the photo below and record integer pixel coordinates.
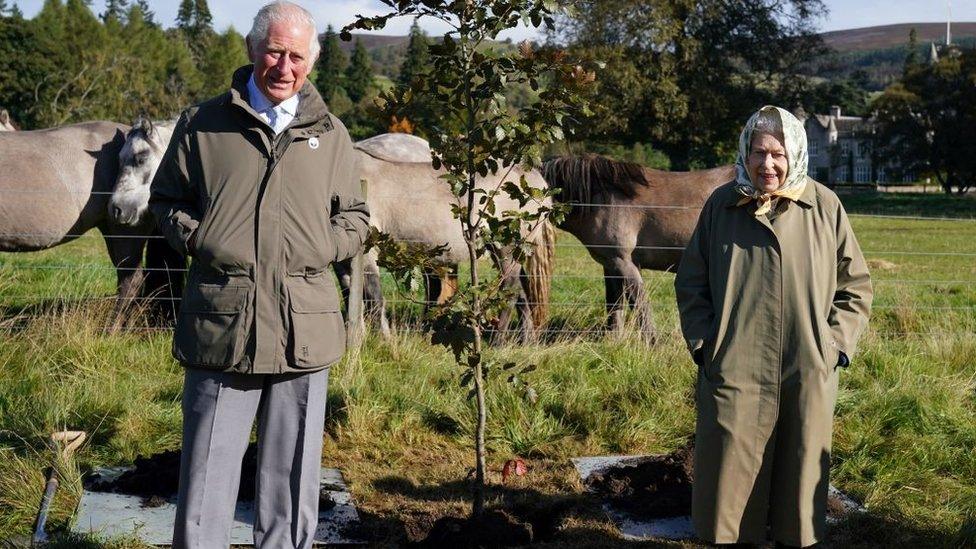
(140, 156)
(6, 124)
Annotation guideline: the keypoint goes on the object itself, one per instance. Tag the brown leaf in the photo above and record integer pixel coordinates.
(515, 467)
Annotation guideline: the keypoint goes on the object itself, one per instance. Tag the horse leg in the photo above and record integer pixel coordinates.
(432, 290)
(343, 272)
(637, 299)
(126, 256)
(440, 286)
(448, 283)
(613, 280)
(512, 281)
(164, 276)
(373, 294)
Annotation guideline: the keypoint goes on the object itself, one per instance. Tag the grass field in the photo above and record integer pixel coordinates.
(399, 427)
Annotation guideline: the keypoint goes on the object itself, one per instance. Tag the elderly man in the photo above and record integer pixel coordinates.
(260, 187)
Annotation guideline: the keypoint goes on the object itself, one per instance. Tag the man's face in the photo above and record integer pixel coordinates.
(282, 61)
(767, 163)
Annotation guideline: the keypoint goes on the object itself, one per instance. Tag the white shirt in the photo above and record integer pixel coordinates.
(277, 116)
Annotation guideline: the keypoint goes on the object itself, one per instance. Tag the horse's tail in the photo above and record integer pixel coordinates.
(538, 269)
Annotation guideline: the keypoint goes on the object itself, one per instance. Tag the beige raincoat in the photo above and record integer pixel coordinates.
(768, 304)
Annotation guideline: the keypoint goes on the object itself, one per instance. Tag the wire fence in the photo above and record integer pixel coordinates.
(408, 197)
(591, 300)
(575, 245)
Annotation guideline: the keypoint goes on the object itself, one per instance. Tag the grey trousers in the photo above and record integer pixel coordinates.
(218, 411)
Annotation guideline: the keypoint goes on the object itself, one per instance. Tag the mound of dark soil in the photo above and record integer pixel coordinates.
(655, 487)
(649, 487)
(157, 477)
(494, 529)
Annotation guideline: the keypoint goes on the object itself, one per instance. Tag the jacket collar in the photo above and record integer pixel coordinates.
(312, 117)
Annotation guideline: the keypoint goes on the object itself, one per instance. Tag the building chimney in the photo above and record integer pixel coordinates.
(835, 111)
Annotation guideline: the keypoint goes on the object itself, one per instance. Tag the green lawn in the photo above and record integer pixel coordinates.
(399, 426)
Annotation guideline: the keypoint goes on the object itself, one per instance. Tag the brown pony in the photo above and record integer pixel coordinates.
(630, 218)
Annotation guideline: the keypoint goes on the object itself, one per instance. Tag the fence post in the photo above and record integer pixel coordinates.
(355, 324)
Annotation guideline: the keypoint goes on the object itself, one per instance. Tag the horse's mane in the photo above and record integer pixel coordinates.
(581, 178)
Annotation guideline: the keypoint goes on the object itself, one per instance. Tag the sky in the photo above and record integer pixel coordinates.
(844, 14)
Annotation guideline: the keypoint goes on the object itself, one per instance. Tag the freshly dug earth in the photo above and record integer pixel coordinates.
(655, 487)
(494, 529)
(157, 477)
(649, 487)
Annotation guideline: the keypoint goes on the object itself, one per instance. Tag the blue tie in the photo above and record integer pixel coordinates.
(273, 118)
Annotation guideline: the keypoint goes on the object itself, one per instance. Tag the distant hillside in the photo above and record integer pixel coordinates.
(888, 36)
(372, 41)
(877, 51)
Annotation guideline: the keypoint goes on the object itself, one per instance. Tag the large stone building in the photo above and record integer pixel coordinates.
(841, 149)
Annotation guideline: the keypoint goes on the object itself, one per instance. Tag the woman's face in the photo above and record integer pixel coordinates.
(767, 162)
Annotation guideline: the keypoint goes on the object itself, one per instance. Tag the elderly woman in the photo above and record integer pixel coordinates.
(773, 294)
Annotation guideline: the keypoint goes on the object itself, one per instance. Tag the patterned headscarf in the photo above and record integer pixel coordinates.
(795, 138)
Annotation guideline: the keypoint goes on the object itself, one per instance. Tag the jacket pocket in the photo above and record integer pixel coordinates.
(196, 237)
(317, 337)
(829, 351)
(709, 365)
(211, 331)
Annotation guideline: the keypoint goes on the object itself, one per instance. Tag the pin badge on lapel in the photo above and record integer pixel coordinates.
(313, 143)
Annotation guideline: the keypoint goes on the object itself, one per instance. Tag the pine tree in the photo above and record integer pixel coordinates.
(359, 74)
(15, 12)
(148, 16)
(194, 22)
(224, 55)
(184, 17)
(911, 55)
(330, 66)
(115, 10)
(202, 20)
(417, 56)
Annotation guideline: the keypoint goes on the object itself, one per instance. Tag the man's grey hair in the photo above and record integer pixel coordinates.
(282, 11)
(768, 122)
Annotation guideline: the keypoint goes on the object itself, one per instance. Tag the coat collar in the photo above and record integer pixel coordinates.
(312, 117)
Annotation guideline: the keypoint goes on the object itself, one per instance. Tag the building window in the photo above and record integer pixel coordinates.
(882, 175)
(814, 147)
(862, 174)
(863, 149)
(842, 174)
(845, 147)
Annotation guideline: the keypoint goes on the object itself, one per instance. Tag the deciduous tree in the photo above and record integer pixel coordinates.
(685, 74)
(925, 122)
(478, 134)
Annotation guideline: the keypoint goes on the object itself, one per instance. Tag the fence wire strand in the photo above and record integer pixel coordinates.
(570, 204)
